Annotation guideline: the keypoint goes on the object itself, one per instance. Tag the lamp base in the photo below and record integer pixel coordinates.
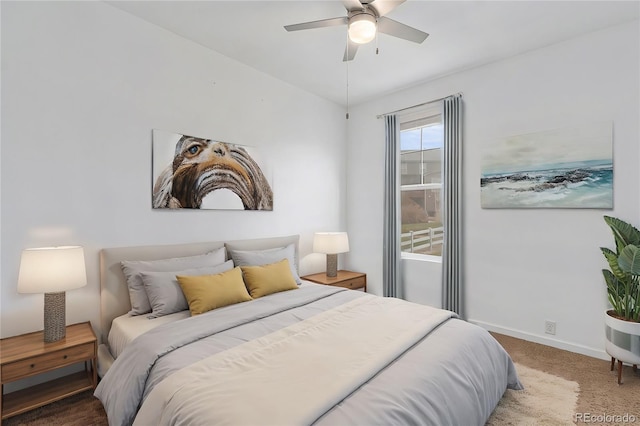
(332, 265)
(54, 317)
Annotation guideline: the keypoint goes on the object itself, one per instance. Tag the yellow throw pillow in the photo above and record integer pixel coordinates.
(207, 292)
(266, 279)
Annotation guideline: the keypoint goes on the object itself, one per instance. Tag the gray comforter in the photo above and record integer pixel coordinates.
(454, 376)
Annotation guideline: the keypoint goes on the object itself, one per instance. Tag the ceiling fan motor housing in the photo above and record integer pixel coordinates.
(362, 26)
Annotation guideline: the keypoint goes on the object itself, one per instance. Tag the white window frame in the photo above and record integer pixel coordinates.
(422, 115)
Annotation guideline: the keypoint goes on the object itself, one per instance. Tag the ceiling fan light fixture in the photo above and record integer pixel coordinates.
(362, 28)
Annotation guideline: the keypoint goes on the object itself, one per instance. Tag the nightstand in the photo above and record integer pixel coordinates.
(347, 279)
(28, 355)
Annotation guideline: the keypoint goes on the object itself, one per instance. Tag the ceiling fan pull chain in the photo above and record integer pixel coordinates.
(347, 62)
(347, 90)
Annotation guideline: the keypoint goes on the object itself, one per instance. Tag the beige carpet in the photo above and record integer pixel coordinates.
(547, 400)
(599, 392)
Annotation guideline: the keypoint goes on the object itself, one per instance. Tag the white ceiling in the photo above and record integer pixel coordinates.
(463, 34)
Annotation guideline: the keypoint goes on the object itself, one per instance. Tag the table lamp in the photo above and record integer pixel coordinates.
(52, 271)
(331, 243)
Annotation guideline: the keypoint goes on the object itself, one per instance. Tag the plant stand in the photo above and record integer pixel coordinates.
(622, 343)
(613, 363)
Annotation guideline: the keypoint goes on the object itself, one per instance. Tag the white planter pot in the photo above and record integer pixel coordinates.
(623, 339)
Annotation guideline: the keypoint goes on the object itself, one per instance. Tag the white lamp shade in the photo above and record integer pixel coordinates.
(52, 269)
(362, 28)
(330, 242)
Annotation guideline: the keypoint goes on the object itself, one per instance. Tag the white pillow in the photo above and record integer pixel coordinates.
(264, 257)
(132, 268)
(164, 292)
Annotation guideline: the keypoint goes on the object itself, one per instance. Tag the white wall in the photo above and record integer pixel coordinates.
(83, 85)
(522, 267)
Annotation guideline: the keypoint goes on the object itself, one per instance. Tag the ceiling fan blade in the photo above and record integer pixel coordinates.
(396, 29)
(382, 7)
(350, 51)
(352, 5)
(332, 22)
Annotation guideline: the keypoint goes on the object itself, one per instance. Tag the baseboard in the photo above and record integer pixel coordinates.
(543, 340)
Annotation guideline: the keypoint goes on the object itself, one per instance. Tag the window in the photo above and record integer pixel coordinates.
(421, 143)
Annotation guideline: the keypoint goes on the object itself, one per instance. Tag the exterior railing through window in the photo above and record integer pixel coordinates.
(426, 241)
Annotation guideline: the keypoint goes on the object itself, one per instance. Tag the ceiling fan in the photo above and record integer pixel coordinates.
(364, 18)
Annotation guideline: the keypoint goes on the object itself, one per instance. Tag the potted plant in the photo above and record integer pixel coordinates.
(622, 323)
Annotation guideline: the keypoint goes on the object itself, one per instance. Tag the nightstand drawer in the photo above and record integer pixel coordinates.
(45, 362)
(352, 283)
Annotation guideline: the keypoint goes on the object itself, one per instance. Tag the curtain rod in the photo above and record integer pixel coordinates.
(419, 105)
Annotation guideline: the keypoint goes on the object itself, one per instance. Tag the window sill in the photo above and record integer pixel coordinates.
(421, 257)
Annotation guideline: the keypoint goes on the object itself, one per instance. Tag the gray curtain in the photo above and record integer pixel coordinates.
(391, 239)
(452, 283)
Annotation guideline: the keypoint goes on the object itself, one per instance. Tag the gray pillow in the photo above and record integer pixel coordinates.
(132, 268)
(164, 292)
(263, 257)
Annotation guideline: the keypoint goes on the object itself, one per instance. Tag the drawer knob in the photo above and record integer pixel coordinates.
(32, 365)
(64, 357)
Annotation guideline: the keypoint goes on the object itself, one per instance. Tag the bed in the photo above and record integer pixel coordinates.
(310, 354)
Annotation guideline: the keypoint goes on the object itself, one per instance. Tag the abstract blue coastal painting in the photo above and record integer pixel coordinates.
(563, 168)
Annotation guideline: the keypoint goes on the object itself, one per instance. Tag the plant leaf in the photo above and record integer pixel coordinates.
(623, 232)
(612, 259)
(615, 292)
(629, 260)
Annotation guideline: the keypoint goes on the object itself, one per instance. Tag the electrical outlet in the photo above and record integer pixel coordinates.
(550, 327)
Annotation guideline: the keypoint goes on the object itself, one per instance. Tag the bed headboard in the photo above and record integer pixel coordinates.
(114, 294)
